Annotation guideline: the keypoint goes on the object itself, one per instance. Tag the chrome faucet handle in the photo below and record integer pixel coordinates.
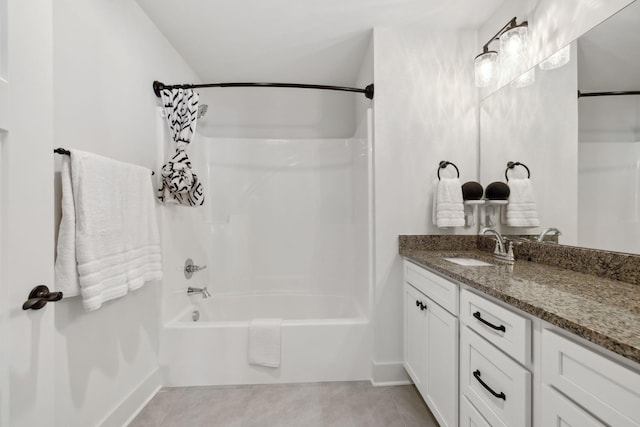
(190, 268)
(194, 268)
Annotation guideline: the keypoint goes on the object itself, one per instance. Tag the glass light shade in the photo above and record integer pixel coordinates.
(485, 68)
(557, 60)
(513, 43)
(526, 79)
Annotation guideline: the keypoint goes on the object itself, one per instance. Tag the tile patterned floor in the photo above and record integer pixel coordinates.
(340, 404)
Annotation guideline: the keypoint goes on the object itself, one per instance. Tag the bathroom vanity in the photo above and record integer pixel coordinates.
(520, 345)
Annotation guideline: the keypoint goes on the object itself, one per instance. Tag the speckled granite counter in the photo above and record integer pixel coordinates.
(603, 311)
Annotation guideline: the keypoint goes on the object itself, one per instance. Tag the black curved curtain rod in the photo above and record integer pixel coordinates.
(626, 92)
(368, 91)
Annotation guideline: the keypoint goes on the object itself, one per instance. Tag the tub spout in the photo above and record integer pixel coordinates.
(205, 293)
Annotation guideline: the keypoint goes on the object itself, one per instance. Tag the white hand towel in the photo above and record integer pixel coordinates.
(109, 242)
(264, 342)
(448, 207)
(66, 271)
(521, 211)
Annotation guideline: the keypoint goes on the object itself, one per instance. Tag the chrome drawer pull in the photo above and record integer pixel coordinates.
(492, 326)
(500, 395)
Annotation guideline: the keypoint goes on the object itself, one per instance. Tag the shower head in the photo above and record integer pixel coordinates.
(202, 110)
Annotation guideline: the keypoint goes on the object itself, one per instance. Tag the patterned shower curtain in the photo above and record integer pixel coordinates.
(179, 183)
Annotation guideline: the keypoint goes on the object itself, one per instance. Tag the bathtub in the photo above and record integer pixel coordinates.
(324, 338)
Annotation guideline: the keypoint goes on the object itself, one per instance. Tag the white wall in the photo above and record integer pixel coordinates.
(425, 111)
(553, 24)
(106, 56)
(538, 126)
(365, 78)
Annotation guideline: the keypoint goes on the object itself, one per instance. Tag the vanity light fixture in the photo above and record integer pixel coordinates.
(513, 39)
(557, 60)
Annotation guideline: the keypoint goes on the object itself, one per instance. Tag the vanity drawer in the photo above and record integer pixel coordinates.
(608, 390)
(440, 290)
(469, 416)
(496, 385)
(507, 330)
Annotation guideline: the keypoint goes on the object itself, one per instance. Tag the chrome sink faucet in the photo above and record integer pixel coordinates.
(500, 252)
(205, 293)
(499, 239)
(548, 231)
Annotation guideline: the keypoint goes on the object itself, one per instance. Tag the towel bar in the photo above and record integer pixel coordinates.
(511, 165)
(443, 164)
(66, 152)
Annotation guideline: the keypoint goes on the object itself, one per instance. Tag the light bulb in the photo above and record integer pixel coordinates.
(513, 43)
(485, 68)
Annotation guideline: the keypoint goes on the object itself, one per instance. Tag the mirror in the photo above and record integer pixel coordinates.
(583, 153)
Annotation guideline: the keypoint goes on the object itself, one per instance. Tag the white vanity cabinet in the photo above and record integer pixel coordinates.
(431, 341)
(480, 362)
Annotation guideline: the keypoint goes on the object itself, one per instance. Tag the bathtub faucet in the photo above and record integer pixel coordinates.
(205, 293)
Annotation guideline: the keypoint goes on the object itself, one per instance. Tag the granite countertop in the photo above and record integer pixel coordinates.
(603, 311)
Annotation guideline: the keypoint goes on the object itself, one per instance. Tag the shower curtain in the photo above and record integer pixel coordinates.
(179, 184)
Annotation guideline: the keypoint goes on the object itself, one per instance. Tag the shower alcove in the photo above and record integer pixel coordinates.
(284, 232)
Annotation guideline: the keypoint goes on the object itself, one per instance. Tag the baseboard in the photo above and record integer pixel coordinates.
(389, 373)
(132, 404)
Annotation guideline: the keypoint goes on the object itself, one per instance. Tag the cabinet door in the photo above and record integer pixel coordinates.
(442, 365)
(557, 410)
(415, 336)
(607, 389)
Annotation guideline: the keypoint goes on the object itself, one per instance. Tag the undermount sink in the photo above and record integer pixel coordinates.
(468, 262)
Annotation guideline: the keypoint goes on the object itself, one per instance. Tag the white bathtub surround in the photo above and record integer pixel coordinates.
(264, 342)
(285, 237)
(109, 242)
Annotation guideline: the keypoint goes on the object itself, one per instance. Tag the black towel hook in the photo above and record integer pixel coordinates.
(443, 164)
(511, 165)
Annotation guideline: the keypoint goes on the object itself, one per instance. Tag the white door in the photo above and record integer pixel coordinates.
(26, 211)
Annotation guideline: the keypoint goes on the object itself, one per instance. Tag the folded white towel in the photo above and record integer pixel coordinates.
(448, 207)
(108, 242)
(521, 211)
(66, 271)
(264, 342)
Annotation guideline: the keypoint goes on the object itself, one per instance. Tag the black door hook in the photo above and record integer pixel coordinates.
(39, 297)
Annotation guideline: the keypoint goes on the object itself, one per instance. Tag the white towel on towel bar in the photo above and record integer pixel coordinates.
(108, 243)
(521, 211)
(264, 342)
(448, 207)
